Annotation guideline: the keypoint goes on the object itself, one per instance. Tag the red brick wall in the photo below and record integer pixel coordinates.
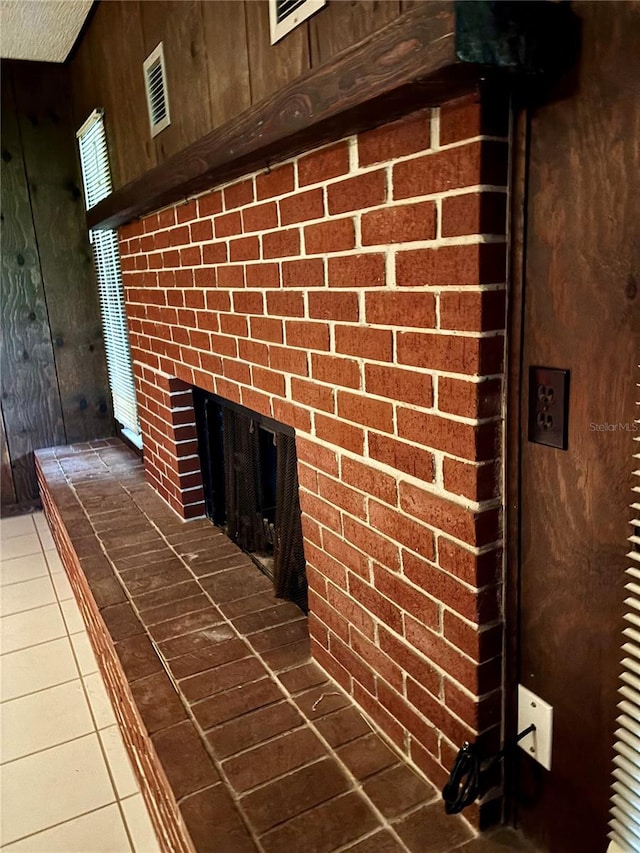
(171, 458)
(357, 293)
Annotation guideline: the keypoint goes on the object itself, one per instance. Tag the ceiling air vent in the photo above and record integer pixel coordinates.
(155, 81)
(285, 15)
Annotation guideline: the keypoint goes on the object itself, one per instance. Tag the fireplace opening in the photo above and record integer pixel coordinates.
(250, 477)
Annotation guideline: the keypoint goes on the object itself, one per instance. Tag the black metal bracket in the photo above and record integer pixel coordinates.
(531, 37)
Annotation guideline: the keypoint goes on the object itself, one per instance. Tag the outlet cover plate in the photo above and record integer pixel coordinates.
(533, 709)
(549, 406)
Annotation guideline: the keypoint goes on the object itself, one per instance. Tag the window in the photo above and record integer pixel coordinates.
(96, 178)
(285, 15)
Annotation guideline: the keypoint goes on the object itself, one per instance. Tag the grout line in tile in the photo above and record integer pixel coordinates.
(40, 538)
(137, 794)
(103, 751)
(7, 518)
(196, 702)
(46, 748)
(318, 805)
(310, 763)
(29, 609)
(50, 570)
(55, 825)
(113, 781)
(22, 556)
(51, 604)
(125, 824)
(41, 690)
(15, 583)
(349, 845)
(33, 645)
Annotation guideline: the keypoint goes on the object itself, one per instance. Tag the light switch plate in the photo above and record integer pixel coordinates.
(532, 709)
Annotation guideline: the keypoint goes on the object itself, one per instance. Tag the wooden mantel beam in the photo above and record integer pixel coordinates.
(411, 63)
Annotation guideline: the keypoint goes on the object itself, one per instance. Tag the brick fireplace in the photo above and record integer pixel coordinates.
(356, 294)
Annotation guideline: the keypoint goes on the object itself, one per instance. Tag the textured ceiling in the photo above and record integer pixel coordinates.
(40, 29)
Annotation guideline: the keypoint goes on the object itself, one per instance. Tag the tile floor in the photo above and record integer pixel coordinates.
(66, 785)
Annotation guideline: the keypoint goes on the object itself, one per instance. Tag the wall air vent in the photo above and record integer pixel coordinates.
(155, 81)
(285, 15)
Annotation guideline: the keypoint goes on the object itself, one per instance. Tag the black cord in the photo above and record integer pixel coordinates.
(464, 780)
(463, 786)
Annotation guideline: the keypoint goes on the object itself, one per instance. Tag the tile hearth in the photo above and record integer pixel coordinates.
(236, 733)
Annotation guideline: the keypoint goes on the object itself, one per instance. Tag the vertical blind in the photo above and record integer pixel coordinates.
(96, 177)
(625, 800)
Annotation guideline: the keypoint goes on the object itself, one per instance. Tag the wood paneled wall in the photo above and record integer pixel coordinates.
(219, 61)
(54, 382)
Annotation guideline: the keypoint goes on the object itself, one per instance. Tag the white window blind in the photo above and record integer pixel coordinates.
(625, 800)
(96, 178)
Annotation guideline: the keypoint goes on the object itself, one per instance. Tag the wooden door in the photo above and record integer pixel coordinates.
(580, 308)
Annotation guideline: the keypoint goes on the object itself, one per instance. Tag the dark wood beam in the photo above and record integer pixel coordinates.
(413, 62)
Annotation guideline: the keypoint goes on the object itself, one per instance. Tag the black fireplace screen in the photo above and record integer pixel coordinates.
(250, 475)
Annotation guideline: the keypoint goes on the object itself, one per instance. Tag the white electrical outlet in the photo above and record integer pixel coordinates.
(532, 709)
